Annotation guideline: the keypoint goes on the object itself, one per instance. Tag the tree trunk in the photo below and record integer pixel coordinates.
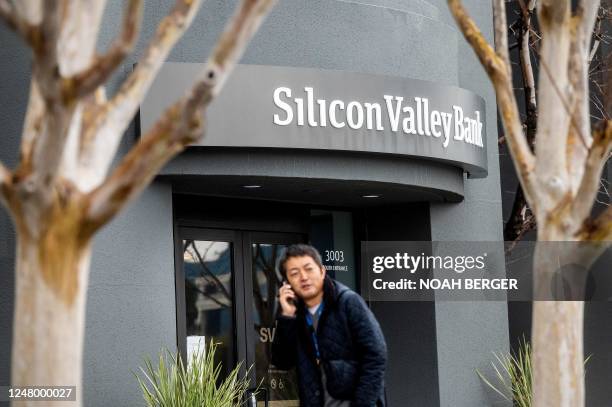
(558, 357)
(560, 181)
(558, 361)
(66, 187)
(49, 317)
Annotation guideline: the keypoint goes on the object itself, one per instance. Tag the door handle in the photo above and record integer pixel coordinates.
(252, 399)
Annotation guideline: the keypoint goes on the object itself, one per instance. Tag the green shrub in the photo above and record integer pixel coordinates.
(515, 381)
(514, 375)
(171, 384)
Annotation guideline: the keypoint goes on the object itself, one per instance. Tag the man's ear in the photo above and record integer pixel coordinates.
(323, 270)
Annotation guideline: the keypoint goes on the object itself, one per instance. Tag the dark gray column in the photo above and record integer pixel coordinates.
(467, 332)
(131, 300)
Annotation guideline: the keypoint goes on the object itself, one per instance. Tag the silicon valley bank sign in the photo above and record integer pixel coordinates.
(284, 107)
(416, 119)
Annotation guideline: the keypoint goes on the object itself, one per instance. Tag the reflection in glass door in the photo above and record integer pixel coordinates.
(266, 279)
(281, 385)
(207, 267)
(226, 287)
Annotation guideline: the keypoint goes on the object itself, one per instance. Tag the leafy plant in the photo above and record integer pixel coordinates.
(515, 381)
(172, 384)
(514, 374)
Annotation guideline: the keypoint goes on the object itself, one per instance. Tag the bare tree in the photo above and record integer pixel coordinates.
(560, 178)
(63, 189)
(526, 33)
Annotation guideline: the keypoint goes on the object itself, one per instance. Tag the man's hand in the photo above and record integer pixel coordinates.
(287, 300)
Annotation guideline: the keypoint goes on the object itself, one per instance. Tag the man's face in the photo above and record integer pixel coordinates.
(305, 276)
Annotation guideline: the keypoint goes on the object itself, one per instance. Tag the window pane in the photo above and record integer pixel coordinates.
(281, 385)
(208, 273)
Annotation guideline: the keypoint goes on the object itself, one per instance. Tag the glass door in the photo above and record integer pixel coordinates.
(209, 294)
(226, 287)
(262, 281)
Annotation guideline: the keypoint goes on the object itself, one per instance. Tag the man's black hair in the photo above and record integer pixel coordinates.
(298, 250)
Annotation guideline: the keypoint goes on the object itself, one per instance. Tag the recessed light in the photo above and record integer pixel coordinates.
(251, 186)
(370, 196)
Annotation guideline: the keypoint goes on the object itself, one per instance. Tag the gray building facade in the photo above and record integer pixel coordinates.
(207, 198)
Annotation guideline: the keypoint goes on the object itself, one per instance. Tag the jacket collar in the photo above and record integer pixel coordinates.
(331, 291)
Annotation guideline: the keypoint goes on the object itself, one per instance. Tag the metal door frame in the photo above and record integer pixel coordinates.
(235, 238)
(242, 284)
(248, 240)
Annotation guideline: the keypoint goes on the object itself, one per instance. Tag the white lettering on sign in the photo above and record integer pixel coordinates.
(266, 334)
(417, 118)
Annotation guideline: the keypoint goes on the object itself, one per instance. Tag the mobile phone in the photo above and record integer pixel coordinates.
(290, 300)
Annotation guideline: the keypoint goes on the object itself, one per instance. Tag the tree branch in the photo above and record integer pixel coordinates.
(170, 29)
(46, 53)
(56, 120)
(181, 124)
(579, 137)
(596, 159)
(521, 219)
(209, 273)
(226, 54)
(104, 131)
(4, 172)
(553, 120)
(598, 229)
(5, 179)
(526, 67)
(498, 72)
(490, 61)
(234, 39)
(501, 33)
(32, 128)
(79, 35)
(587, 11)
(166, 139)
(103, 66)
(594, 49)
(8, 13)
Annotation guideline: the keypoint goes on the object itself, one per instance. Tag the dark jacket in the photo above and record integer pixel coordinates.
(351, 344)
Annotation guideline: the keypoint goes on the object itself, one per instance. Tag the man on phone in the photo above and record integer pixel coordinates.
(329, 334)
